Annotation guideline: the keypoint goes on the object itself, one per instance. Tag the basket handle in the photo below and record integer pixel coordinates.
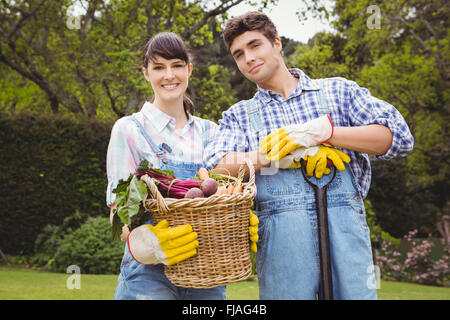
(251, 169)
(160, 202)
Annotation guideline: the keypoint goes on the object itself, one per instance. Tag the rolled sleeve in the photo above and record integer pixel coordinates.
(120, 159)
(366, 109)
(229, 137)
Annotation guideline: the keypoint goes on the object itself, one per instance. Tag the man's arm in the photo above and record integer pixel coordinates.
(231, 163)
(372, 139)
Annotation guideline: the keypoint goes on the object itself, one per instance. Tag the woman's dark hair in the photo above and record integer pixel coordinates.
(169, 46)
(250, 21)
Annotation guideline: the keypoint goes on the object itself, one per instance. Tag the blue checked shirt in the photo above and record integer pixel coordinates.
(349, 105)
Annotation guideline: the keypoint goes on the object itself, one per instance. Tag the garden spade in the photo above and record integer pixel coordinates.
(326, 280)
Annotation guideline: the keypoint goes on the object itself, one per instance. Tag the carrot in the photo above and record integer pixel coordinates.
(229, 189)
(221, 190)
(203, 174)
(237, 189)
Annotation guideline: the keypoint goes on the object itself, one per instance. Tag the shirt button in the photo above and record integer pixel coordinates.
(360, 211)
(356, 198)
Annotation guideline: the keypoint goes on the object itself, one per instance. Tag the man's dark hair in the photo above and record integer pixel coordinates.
(250, 21)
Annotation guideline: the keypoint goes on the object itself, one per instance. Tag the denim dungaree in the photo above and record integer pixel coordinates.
(148, 282)
(288, 251)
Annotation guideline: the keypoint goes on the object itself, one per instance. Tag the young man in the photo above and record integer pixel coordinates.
(301, 114)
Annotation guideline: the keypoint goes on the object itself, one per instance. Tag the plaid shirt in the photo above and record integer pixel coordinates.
(349, 105)
(127, 146)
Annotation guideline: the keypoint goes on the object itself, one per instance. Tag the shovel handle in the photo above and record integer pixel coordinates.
(326, 279)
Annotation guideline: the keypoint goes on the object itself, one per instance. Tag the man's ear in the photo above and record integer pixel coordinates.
(277, 43)
(145, 72)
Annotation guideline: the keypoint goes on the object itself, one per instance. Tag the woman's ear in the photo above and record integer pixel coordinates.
(190, 68)
(145, 72)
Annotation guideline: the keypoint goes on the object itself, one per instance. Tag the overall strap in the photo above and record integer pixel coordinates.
(254, 116)
(159, 150)
(323, 108)
(205, 132)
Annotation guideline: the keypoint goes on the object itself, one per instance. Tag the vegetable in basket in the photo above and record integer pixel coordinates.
(130, 193)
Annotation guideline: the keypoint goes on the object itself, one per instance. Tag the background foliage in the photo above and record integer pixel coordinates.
(51, 166)
(87, 246)
(62, 88)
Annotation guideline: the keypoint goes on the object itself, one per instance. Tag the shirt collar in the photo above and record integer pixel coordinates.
(304, 84)
(158, 118)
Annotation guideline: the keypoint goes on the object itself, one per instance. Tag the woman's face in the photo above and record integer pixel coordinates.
(168, 78)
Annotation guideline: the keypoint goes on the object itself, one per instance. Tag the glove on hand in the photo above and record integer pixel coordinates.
(318, 163)
(162, 244)
(253, 231)
(282, 141)
(292, 159)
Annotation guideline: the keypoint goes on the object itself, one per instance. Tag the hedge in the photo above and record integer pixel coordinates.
(87, 246)
(50, 166)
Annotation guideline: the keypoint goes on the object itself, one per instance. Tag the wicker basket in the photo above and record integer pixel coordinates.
(221, 222)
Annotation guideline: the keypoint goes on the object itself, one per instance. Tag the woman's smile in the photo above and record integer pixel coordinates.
(170, 86)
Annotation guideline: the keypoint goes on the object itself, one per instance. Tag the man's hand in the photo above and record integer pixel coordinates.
(286, 139)
(162, 244)
(318, 163)
(293, 158)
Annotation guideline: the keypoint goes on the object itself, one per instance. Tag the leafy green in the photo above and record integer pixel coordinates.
(129, 196)
(144, 165)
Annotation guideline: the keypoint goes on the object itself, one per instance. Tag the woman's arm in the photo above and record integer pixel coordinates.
(373, 139)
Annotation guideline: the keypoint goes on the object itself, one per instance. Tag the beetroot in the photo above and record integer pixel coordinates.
(209, 187)
(194, 193)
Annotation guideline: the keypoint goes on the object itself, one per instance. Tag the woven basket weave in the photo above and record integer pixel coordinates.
(221, 222)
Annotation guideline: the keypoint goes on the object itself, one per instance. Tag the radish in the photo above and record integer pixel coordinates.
(194, 193)
(209, 187)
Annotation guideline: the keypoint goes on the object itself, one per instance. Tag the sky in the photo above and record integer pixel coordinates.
(283, 15)
(285, 19)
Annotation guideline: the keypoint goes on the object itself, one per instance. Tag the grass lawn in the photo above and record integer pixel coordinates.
(27, 284)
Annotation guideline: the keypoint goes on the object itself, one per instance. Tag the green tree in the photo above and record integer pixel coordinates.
(93, 67)
(400, 51)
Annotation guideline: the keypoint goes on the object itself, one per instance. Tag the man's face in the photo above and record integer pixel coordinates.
(256, 57)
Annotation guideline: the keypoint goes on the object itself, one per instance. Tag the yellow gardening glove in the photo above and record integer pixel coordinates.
(318, 163)
(293, 158)
(162, 244)
(253, 231)
(282, 141)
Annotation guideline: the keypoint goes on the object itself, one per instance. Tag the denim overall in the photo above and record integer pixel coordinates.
(288, 251)
(148, 282)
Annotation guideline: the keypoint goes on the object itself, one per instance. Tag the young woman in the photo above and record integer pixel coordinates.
(166, 133)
